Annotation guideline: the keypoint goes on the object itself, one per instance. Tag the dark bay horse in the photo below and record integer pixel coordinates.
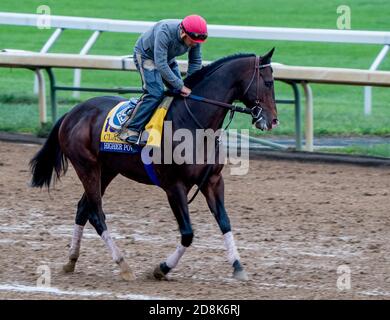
(76, 136)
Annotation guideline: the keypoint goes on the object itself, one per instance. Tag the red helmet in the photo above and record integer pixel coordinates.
(195, 27)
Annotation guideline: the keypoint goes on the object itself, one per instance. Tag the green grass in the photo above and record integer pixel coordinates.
(338, 110)
(378, 150)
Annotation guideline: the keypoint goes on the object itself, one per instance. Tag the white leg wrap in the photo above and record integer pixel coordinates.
(74, 251)
(232, 252)
(174, 258)
(115, 253)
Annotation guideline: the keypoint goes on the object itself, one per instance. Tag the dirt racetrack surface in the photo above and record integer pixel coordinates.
(295, 224)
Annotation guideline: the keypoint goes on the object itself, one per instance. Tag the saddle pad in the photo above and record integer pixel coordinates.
(109, 142)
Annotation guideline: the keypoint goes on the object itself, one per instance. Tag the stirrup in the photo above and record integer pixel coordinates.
(133, 139)
(124, 127)
(139, 141)
(124, 133)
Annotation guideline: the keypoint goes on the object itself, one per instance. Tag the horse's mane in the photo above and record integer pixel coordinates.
(205, 71)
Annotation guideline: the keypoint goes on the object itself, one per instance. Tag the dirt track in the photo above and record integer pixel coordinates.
(294, 224)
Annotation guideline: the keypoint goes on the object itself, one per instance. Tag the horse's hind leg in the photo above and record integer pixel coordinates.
(95, 182)
(214, 194)
(82, 216)
(97, 219)
(81, 219)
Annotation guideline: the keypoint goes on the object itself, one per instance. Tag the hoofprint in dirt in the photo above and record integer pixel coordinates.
(295, 225)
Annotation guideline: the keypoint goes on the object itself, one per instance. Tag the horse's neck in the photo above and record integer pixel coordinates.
(219, 87)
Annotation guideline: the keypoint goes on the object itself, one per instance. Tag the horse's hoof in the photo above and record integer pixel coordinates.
(69, 267)
(126, 273)
(127, 276)
(240, 275)
(158, 274)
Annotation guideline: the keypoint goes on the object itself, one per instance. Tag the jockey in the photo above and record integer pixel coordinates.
(154, 57)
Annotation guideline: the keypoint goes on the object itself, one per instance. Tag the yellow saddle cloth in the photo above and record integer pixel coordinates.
(155, 126)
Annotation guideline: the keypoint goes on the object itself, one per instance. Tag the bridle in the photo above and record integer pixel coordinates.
(255, 111)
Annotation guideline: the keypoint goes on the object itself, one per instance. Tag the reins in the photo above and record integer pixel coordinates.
(231, 107)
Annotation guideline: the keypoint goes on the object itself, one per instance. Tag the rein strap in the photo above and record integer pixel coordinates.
(231, 107)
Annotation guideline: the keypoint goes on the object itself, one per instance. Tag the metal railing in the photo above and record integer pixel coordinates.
(98, 26)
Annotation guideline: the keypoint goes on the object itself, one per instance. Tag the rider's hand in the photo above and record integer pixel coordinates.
(185, 92)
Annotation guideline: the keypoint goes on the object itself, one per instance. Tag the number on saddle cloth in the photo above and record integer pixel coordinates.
(122, 113)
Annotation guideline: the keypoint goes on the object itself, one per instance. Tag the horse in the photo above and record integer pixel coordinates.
(75, 137)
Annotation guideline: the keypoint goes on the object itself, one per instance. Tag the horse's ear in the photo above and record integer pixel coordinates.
(267, 57)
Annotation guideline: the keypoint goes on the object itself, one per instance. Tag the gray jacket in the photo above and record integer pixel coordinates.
(162, 43)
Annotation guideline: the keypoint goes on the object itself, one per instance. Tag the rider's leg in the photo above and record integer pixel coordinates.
(153, 94)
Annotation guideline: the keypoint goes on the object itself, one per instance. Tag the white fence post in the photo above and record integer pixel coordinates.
(368, 90)
(41, 96)
(77, 72)
(49, 43)
(309, 128)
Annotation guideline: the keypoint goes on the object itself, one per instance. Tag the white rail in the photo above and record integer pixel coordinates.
(223, 31)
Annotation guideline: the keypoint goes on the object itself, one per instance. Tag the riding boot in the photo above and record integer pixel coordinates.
(132, 128)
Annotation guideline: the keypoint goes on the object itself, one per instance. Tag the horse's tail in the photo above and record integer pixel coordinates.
(49, 158)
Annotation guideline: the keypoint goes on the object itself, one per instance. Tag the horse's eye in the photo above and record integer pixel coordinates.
(269, 84)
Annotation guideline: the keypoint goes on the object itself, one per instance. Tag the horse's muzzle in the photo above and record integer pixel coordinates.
(263, 125)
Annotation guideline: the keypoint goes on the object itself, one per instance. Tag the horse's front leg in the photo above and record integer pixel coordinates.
(177, 197)
(214, 194)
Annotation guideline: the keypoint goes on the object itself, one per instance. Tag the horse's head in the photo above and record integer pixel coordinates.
(258, 93)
